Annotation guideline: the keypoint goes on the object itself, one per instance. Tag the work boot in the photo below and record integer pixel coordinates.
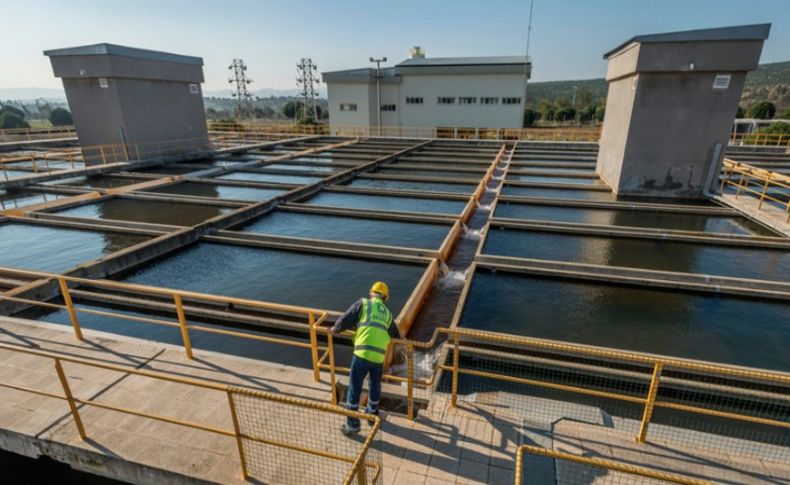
(348, 430)
(371, 413)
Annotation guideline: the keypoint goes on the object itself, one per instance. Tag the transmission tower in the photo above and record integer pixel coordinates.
(242, 95)
(307, 82)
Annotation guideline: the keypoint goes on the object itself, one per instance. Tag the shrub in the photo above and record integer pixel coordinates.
(60, 117)
(763, 110)
(530, 116)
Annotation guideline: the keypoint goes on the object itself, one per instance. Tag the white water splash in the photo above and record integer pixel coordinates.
(424, 365)
(484, 207)
(471, 233)
(453, 280)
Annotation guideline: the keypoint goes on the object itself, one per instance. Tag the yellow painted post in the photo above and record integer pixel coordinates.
(330, 341)
(765, 190)
(70, 398)
(410, 379)
(103, 159)
(314, 346)
(182, 321)
(362, 475)
(70, 158)
(650, 402)
(456, 349)
(64, 291)
(237, 430)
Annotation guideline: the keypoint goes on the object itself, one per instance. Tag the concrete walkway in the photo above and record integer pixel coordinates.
(769, 214)
(474, 443)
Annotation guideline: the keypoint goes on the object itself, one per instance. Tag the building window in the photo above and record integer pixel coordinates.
(193, 88)
(387, 107)
(467, 100)
(103, 83)
(489, 100)
(445, 100)
(412, 100)
(511, 100)
(348, 107)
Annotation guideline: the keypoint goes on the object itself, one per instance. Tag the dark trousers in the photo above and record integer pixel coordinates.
(361, 368)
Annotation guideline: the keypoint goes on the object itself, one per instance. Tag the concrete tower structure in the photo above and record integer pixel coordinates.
(670, 108)
(149, 101)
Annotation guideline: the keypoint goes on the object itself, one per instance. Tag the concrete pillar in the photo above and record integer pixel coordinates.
(670, 108)
(127, 102)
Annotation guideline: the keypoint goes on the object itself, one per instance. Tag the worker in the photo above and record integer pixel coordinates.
(374, 327)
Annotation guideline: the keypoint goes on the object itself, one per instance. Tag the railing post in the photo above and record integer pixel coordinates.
(103, 159)
(456, 348)
(75, 322)
(237, 431)
(765, 190)
(330, 342)
(70, 398)
(650, 402)
(410, 379)
(314, 346)
(362, 475)
(182, 322)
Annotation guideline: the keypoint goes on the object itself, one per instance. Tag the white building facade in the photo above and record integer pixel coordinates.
(452, 92)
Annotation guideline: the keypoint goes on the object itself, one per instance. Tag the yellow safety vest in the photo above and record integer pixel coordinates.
(372, 336)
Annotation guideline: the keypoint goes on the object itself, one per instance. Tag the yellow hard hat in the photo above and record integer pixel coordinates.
(381, 288)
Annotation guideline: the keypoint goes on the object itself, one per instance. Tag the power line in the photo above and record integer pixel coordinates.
(242, 95)
(307, 82)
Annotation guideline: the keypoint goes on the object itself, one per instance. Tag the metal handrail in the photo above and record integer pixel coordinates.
(314, 316)
(600, 463)
(358, 464)
(749, 175)
(757, 138)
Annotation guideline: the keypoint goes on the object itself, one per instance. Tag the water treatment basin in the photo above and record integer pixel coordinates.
(350, 229)
(14, 199)
(56, 249)
(390, 203)
(413, 185)
(149, 211)
(217, 191)
(270, 178)
(289, 277)
(710, 327)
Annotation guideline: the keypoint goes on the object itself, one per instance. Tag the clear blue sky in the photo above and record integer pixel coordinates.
(568, 39)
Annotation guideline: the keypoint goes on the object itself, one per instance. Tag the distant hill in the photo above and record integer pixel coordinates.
(769, 81)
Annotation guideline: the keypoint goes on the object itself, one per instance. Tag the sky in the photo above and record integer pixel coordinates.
(567, 42)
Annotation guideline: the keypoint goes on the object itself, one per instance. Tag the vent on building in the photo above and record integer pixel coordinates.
(193, 88)
(103, 83)
(721, 81)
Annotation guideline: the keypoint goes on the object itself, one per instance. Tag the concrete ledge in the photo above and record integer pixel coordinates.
(635, 206)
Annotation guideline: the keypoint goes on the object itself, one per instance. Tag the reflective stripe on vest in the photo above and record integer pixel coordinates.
(372, 337)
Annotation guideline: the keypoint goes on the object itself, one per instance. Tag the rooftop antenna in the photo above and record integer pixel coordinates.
(526, 54)
(307, 82)
(242, 95)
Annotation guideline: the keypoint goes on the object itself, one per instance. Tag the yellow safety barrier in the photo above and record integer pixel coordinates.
(268, 428)
(177, 305)
(757, 182)
(583, 134)
(30, 134)
(763, 139)
(623, 473)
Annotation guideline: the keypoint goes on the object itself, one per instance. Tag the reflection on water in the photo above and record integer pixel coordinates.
(377, 202)
(577, 194)
(19, 198)
(626, 217)
(431, 173)
(231, 192)
(352, 229)
(55, 249)
(699, 326)
(278, 276)
(150, 211)
(412, 185)
(270, 177)
(743, 262)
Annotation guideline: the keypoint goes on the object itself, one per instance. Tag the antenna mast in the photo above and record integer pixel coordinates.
(307, 82)
(242, 95)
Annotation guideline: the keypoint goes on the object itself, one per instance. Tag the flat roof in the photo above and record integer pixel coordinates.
(464, 61)
(738, 32)
(105, 49)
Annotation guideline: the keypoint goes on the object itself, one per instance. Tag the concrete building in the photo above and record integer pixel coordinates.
(670, 108)
(149, 100)
(469, 92)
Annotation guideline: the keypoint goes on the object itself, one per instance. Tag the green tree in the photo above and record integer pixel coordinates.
(584, 97)
(785, 114)
(7, 108)
(586, 114)
(291, 109)
(60, 117)
(600, 113)
(546, 109)
(530, 117)
(561, 102)
(741, 113)
(9, 120)
(779, 128)
(763, 110)
(565, 114)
